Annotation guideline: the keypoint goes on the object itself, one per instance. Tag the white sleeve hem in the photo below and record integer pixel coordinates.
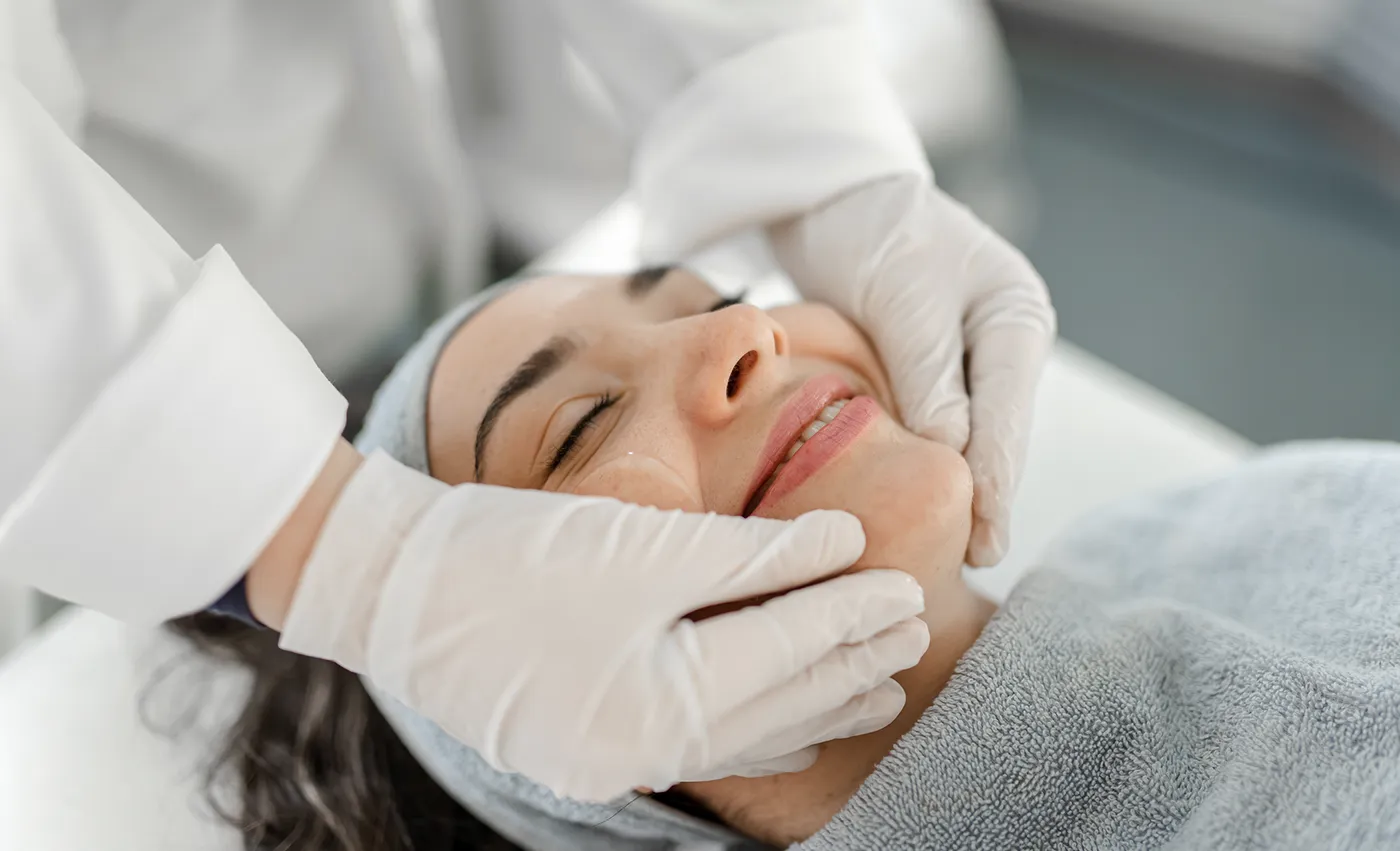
(768, 134)
(185, 464)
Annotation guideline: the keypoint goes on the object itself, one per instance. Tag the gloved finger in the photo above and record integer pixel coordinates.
(916, 322)
(745, 765)
(930, 384)
(1004, 370)
(788, 763)
(849, 693)
(794, 748)
(799, 633)
(737, 558)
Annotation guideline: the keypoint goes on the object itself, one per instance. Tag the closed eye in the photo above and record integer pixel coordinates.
(586, 422)
(607, 400)
(737, 298)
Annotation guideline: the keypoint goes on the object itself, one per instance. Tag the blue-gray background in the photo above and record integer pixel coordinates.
(1230, 236)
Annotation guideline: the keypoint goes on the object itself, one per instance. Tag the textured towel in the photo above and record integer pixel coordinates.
(1218, 668)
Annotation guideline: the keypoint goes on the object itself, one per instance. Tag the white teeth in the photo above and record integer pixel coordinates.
(827, 415)
(830, 411)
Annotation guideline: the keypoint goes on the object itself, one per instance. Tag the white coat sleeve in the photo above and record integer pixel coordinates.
(159, 421)
(744, 111)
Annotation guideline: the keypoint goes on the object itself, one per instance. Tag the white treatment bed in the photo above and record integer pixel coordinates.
(80, 771)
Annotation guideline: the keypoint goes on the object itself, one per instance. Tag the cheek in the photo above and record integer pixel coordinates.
(819, 332)
(643, 480)
(647, 480)
(912, 496)
(916, 503)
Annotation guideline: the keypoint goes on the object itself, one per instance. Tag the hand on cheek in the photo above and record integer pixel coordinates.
(913, 497)
(643, 480)
(646, 480)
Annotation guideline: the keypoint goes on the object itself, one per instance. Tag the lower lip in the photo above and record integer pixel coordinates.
(825, 445)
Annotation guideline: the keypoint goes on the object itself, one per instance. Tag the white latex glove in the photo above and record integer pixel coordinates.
(549, 633)
(960, 317)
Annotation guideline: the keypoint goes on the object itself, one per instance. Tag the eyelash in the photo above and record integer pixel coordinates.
(737, 298)
(586, 422)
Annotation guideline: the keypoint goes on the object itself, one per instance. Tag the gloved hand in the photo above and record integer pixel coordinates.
(939, 292)
(548, 631)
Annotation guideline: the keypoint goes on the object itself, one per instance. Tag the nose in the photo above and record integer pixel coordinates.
(726, 356)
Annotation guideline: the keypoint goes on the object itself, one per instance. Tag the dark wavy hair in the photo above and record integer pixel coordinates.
(314, 765)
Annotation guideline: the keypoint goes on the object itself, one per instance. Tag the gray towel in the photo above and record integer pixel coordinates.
(1218, 668)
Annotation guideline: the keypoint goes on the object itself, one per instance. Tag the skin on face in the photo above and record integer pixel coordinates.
(689, 397)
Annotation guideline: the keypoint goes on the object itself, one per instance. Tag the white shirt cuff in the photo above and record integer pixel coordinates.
(184, 466)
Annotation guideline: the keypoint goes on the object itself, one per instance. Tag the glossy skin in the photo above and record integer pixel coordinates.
(699, 395)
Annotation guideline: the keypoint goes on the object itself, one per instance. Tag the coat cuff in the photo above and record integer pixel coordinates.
(184, 466)
(769, 134)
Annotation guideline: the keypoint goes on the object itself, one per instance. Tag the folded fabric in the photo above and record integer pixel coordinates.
(1217, 668)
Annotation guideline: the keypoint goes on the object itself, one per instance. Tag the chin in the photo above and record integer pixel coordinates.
(913, 496)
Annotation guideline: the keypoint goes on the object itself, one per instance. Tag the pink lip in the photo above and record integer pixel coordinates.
(797, 414)
(825, 445)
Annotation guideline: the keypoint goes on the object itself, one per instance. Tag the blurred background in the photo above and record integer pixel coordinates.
(1211, 190)
(1216, 196)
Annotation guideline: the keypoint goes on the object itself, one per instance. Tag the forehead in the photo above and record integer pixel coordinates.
(509, 329)
(488, 347)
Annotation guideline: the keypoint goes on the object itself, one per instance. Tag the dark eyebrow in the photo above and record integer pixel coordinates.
(533, 370)
(643, 281)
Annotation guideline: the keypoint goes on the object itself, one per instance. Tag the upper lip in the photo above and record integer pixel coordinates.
(805, 405)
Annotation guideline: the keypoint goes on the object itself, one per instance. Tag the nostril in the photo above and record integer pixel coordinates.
(742, 367)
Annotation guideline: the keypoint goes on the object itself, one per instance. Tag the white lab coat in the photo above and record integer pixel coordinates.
(547, 155)
(159, 420)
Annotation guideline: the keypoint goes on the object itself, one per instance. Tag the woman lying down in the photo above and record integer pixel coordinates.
(1215, 668)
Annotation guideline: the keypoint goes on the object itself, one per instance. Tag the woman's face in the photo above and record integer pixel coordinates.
(652, 390)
